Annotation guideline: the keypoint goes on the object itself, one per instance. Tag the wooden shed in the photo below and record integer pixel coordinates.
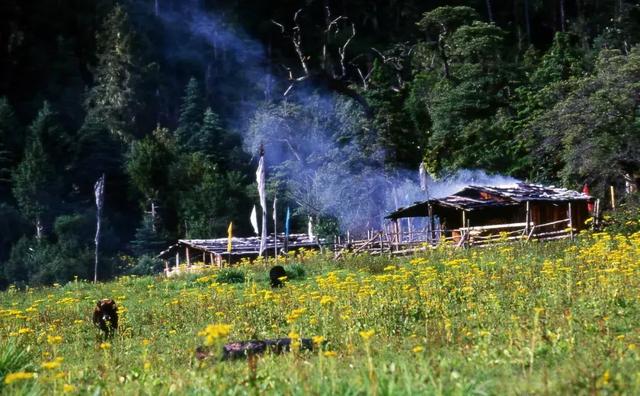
(214, 251)
(481, 212)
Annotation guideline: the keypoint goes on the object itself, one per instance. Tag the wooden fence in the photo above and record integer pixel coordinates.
(403, 243)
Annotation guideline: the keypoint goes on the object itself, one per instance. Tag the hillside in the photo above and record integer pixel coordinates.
(557, 318)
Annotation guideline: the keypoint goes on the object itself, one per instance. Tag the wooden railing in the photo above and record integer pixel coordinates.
(401, 243)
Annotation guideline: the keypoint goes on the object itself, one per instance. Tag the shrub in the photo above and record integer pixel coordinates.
(626, 218)
(13, 358)
(295, 271)
(230, 275)
(147, 265)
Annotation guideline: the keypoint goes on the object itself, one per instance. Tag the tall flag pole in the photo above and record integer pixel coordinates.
(254, 220)
(275, 233)
(286, 230)
(260, 176)
(311, 236)
(424, 179)
(98, 189)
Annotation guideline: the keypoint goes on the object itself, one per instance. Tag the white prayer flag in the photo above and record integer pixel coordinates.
(260, 177)
(254, 220)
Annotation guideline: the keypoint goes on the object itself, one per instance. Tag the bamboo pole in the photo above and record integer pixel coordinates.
(613, 197)
(570, 221)
(464, 223)
(527, 217)
(431, 231)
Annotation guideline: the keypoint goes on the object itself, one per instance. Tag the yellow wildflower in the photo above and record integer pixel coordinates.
(53, 340)
(417, 349)
(330, 354)
(325, 300)
(18, 376)
(367, 334)
(214, 332)
(53, 364)
(105, 346)
(68, 388)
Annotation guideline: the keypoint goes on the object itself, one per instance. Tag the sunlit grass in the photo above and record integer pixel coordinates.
(532, 318)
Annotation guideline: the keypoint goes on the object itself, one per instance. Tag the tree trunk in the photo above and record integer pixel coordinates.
(489, 11)
(39, 228)
(562, 16)
(527, 20)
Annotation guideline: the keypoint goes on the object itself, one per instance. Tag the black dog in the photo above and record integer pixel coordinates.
(105, 316)
(275, 274)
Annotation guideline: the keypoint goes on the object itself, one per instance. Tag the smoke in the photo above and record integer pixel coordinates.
(316, 142)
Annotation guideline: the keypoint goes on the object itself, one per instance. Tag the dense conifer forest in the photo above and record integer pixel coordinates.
(171, 100)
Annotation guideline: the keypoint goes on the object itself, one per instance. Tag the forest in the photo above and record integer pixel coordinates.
(171, 100)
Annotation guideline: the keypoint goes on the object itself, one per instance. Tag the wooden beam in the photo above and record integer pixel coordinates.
(527, 217)
(613, 197)
(188, 257)
(570, 220)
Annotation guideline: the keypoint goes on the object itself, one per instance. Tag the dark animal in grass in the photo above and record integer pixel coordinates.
(243, 349)
(275, 274)
(105, 316)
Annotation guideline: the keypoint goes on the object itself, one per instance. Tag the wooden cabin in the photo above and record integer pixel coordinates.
(214, 251)
(520, 210)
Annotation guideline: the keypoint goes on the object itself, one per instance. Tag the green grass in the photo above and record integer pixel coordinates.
(522, 319)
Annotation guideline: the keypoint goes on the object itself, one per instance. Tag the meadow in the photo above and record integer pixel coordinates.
(537, 318)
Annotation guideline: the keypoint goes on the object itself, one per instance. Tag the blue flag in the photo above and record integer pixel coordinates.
(286, 223)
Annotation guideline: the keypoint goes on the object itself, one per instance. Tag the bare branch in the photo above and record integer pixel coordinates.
(342, 50)
(297, 43)
(364, 77)
(281, 26)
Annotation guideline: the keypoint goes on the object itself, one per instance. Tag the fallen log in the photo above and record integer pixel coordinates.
(244, 349)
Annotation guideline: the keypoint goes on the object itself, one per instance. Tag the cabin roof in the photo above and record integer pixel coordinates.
(239, 246)
(482, 197)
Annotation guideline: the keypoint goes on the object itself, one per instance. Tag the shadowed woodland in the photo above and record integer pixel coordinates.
(171, 99)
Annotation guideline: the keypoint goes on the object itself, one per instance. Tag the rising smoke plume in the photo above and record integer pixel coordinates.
(315, 140)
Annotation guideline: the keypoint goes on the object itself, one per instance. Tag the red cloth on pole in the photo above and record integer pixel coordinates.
(585, 190)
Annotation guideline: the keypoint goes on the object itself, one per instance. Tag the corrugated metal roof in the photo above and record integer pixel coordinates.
(480, 197)
(522, 192)
(239, 246)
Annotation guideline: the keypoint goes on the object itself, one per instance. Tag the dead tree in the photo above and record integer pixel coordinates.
(332, 68)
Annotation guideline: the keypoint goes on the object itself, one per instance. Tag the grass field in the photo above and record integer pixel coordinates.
(539, 318)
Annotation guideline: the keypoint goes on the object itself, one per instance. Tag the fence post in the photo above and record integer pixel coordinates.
(527, 218)
(570, 221)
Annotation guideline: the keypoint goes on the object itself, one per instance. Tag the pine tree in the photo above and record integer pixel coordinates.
(112, 101)
(47, 128)
(190, 120)
(32, 184)
(148, 165)
(11, 143)
(147, 239)
(211, 137)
